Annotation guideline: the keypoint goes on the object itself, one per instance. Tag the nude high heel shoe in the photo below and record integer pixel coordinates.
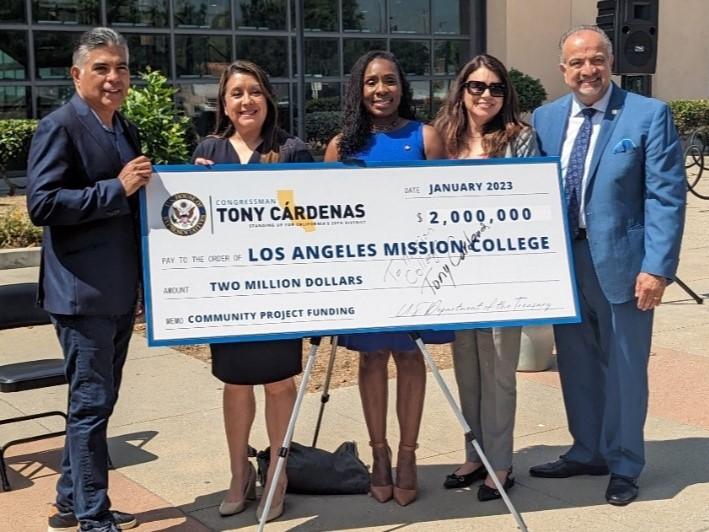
(249, 494)
(277, 504)
(405, 496)
(381, 493)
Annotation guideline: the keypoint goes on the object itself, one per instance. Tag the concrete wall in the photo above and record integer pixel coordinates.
(524, 34)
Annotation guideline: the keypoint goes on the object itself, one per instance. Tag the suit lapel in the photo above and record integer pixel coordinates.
(610, 119)
(92, 126)
(558, 135)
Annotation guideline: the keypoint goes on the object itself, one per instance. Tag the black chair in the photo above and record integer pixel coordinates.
(17, 309)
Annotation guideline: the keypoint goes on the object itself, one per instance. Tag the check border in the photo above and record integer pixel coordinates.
(347, 165)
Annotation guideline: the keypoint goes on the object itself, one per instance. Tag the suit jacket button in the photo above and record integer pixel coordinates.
(113, 212)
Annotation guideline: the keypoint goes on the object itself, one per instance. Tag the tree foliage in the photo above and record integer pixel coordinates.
(530, 90)
(690, 115)
(162, 127)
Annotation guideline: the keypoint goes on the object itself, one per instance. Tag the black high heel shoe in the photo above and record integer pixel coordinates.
(486, 493)
(455, 481)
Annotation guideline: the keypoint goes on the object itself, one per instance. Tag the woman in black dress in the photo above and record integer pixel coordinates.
(246, 133)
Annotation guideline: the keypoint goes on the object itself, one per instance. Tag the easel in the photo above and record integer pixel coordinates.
(692, 293)
(283, 451)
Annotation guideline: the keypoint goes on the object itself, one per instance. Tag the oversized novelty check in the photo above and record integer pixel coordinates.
(256, 252)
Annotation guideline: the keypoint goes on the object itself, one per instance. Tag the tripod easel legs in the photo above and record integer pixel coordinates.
(689, 291)
(325, 397)
(468, 432)
(283, 452)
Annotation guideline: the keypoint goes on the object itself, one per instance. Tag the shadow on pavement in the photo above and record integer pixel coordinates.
(673, 465)
(125, 450)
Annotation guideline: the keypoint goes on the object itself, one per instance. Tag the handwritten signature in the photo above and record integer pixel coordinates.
(429, 271)
(438, 307)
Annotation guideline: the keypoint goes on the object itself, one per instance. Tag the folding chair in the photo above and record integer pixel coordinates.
(17, 309)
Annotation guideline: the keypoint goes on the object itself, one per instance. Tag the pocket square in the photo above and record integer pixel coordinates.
(624, 145)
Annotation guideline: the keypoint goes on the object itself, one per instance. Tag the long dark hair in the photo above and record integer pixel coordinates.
(356, 120)
(269, 131)
(452, 118)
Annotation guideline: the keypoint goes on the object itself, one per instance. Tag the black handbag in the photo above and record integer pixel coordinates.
(318, 472)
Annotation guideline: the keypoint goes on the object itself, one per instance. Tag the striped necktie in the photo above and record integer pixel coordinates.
(575, 168)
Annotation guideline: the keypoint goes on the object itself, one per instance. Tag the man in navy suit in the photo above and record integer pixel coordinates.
(625, 189)
(84, 170)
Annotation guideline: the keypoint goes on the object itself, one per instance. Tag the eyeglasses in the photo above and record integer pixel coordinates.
(477, 88)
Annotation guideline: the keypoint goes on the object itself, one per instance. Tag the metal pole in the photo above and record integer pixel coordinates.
(283, 451)
(468, 432)
(325, 397)
(300, 66)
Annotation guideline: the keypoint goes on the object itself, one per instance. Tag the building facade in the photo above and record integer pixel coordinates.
(191, 41)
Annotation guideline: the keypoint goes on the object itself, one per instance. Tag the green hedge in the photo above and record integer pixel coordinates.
(320, 127)
(690, 115)
(530, 91)
(15, 137)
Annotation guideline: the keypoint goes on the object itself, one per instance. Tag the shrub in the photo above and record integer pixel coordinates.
(327, 103)
(321, 126)
(690, 115)
(530, 90)
(162, 127)
(15, 137)
(16, 230)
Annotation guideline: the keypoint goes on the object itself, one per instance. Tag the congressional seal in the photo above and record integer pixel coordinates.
(183, 214)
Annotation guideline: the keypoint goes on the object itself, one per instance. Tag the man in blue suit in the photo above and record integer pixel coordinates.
(84, 170)
(625, 189)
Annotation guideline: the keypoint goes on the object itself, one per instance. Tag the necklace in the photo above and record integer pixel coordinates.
(386, 127)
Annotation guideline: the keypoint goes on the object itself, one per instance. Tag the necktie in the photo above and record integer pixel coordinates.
(574, 170)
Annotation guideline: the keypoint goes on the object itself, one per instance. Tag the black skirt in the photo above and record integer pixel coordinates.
(256, 362)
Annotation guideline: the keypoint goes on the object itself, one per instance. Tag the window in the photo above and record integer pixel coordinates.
(440, 93)
(201, 56)
(271, 53)
(15, 102)
(151, 13)
(409, 16)
(364, 15)
(12, 11)
(261, 14)
(321, 57)
(451, 17)
(414, 56)
(52, 50)
(52, 97)
(449, 56)
(213, 14)
(353, 48)
(148, 51)
(422, 99)
(320, 15)
(66, 12)
(13, 54)
(199, 102)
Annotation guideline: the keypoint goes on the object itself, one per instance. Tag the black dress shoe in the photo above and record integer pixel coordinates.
(565, 469)
(486, 493)
(454, 481)
(621, 490)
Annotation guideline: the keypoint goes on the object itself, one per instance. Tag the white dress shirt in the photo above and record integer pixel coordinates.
(572, 129)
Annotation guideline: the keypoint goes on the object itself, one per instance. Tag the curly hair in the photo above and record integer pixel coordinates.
(270, 133)
(452, 118)
(356, 120)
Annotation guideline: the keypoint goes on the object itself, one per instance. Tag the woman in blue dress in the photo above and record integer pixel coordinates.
(379, 125)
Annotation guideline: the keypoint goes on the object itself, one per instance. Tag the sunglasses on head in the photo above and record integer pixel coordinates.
(477, 88)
